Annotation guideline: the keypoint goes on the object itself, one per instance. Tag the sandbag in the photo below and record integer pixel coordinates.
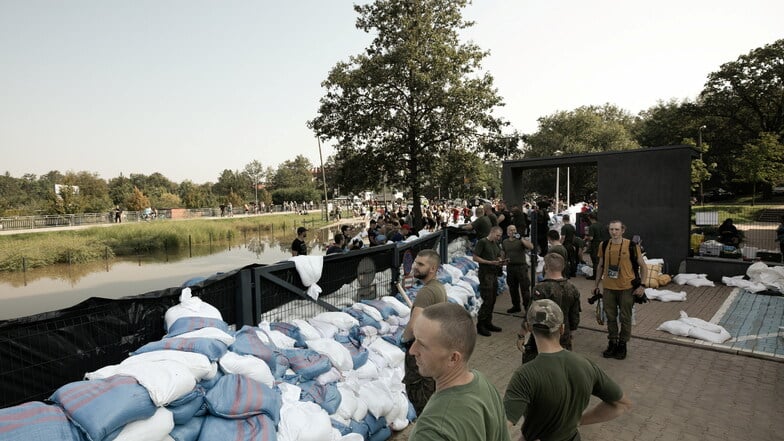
(198, 364)
(652, 276)
(337, 353)
(369, 310)
(190, 306)
(154, 428)
(675, 327)
(392, 354)
(306, 330)
(188, 324)
(253, 428)
(304, 421)
(248, 365)
(209, 347)
(664, 279)
(209, 332)
(188, 431)
(325, 395)
(36, 421)
(100, 407)
(700, 281)
(307, 363)
(291, 331)
(165, 380)
(188, 406)
(248, 343)
(237, 396)
(402, 309)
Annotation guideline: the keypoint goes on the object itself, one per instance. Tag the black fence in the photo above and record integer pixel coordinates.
(40, 353)
(756, 228)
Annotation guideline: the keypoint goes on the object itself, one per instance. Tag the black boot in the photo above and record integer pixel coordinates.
(482, 330)
(492, 327)
(513, 309)
(612, 348)
(620, 351)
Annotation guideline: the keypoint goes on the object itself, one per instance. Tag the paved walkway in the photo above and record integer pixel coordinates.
(681, 389)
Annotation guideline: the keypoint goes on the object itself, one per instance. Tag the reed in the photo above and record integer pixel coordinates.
(81, 246)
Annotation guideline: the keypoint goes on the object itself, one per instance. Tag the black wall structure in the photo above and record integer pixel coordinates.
(647, 189)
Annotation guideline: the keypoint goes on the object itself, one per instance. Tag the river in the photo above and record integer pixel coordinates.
(60, 286)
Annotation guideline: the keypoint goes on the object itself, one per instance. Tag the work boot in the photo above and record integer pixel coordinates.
(513, 309)
(482, 330)
(492, 328)
(612, 348)
(620, 351)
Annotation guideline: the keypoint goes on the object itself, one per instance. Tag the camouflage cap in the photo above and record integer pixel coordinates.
(545, 314)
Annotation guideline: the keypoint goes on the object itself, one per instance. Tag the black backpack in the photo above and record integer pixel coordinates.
(605, 245)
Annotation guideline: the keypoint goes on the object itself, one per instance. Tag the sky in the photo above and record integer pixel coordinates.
(189, 88)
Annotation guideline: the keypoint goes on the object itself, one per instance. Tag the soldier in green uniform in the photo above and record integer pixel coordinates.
(515, 248)
(487, 254)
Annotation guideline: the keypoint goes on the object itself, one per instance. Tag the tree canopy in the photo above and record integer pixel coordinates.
(416, 93)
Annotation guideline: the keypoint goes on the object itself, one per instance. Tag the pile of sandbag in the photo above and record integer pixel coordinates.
(655, 277)
(334, 376)
(693, 327)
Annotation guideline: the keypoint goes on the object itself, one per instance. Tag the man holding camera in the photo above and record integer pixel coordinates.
(616, 270)
(487, 253)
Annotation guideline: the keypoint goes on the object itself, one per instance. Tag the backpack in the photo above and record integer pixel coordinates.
(605, 245)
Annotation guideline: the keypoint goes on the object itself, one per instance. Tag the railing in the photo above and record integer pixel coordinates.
(40, 353)
(756, 226)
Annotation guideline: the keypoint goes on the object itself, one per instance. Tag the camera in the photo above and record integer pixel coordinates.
(596, 296)
(517, 235)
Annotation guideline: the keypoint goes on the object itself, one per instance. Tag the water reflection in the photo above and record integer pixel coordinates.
(59, 286)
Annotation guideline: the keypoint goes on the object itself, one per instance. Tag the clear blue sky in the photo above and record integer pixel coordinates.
(189, 88)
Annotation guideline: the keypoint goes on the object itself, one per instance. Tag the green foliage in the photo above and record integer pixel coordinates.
(294, 173)
(761, 161)
(416, 93)
(137, 201)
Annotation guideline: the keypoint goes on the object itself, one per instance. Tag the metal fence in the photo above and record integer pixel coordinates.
(756, 226)
(40, 353)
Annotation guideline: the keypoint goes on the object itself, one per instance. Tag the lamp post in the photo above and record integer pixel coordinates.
(699, 147)
(557, 185)
(324, 180)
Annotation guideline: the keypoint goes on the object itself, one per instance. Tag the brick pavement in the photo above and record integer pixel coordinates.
(681, 390)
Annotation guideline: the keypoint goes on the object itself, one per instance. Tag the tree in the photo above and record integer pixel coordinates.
(415, 93)
(255, 172)
(666, 123)
(233, 186)
(742, 99)
(761, 161)
(294, 173)
(137, 201)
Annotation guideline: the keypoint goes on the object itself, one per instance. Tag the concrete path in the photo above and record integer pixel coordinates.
(681, 389)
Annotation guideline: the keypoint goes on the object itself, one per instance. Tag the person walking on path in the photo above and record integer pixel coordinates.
(557, 288)
(616, 272)
(553, 391)
(487, 254)
(466, 405)
(419, 388)
(515, 248)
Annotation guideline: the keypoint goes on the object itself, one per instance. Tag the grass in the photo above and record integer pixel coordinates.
(33, 250)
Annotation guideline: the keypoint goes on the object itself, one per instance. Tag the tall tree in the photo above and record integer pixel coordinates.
(761, 162)
(415, 93)
(743, 99)
(255, 172)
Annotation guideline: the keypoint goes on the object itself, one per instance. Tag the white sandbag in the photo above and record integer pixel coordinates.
(307, 330)
(384, 328)
(277, 338)
(190, 306)
(700, 281)
(402, 309)
(309, 269)
(348, 402)
(337, 353)
(392, 354)
(367, 371)
(102, 373)
(664, 295)
(740, 282)
(369, 310)
(459, 293)
(165, 380)
(682, 278)
(754, 270)
(331, 376)
(713, 337)
(210, 332)
(327, 330)
(368, 331)
(289, 393)
(198, 364)
(657, 261)
(378, 397)
(350, 437)
(773, 278)
(700, 323)
(248, 365)
(393, 320)
(304, 421)
(154, 428)
(675, 327)
(453, 271)
(340, 319)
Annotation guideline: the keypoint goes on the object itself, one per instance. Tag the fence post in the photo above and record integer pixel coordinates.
(243, 300)
(443, 245)
(190, 246)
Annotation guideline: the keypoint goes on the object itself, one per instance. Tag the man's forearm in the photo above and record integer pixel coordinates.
(605, 411)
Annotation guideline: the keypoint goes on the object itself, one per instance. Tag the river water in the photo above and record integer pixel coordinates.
(60, 286)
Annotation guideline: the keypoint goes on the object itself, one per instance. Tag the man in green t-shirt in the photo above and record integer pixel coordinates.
(554, 246)
(419, 388)
(466, 405)
(481, 225)
(515, 248)
(553, 391)
(487, 254)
